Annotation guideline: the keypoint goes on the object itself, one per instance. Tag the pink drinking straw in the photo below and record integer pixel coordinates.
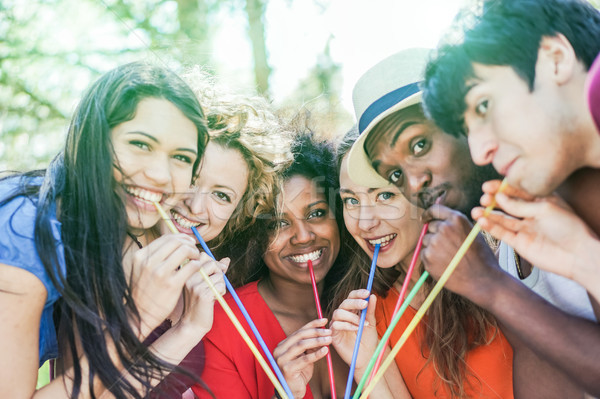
(409, 273)
(320, 314)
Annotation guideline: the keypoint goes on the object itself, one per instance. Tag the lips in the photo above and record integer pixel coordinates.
(436, 195)
(182, 221)
(304, 258)
(382, 241)
(143, 194)
(503, 170)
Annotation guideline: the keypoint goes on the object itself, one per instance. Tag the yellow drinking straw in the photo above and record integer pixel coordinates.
(229, 312)
(434, 292)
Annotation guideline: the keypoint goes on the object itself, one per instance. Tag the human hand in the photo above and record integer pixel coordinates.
(199, 304)
(297, 354)
(344, 326)
(155, 278)
(447, 231)
(545, 231)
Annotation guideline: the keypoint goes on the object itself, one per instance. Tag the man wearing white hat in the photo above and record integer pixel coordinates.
(399, 144)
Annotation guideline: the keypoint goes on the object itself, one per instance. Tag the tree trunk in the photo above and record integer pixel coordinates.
(255, 10)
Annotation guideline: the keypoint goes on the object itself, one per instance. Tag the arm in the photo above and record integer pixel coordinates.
(569, 343)
(535, 378)
(344, 325)
(22, 298)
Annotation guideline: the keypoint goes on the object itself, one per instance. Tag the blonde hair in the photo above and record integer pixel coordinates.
(246, 124)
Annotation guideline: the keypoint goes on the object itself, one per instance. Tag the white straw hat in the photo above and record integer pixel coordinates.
(389, 86)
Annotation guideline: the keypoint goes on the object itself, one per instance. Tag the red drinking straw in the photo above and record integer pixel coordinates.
(409, 273)
(320, 314)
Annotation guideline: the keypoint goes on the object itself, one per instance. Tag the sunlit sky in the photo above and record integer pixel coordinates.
(362, 33)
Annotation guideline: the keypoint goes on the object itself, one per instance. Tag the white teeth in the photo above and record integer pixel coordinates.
(142, 194)
(383, 241)
(184, 222)
(313, 256)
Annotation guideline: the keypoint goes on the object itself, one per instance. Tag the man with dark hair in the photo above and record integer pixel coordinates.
(398, 144)
(516, 87)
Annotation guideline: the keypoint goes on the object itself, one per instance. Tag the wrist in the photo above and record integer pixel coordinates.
(189, 331)
(586, 268)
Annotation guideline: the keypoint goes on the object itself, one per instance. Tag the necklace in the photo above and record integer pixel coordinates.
(518, 264)
(134, 238)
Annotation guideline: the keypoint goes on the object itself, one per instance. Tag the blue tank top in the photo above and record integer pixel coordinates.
(17, 248)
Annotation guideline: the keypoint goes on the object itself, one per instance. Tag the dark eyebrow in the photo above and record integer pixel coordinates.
(400, 130)
(317, 203)
(375, 164)
(154, 139)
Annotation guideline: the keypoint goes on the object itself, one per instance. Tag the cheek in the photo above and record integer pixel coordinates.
(333, 235)
(222, 213)
(182, 178)
(351, 222)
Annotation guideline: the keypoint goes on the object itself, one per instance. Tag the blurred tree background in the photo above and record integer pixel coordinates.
(52, 50)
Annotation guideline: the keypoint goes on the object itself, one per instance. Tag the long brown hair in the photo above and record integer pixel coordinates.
(454, 325)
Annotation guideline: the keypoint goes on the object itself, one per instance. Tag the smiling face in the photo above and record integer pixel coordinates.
(155, 152)
(220, 186)
(306, 230)
(426, 163)
(379, 215)
(526, 135)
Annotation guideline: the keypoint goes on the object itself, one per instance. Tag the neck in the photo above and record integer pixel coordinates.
(403, 267)
(285, 297)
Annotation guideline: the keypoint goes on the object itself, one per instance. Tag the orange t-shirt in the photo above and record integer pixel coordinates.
(489, 367)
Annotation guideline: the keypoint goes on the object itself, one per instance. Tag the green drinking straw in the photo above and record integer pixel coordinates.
(388, 332)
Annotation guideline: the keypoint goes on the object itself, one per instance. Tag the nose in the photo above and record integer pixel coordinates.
(303, 233)
(417, 180)
(483, 146)
(196, 201)
(159, 171)
(367, 220)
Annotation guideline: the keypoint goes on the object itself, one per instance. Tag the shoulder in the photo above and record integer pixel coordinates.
(17, 234)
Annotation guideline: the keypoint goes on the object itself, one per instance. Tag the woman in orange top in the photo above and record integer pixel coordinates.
(457, 350)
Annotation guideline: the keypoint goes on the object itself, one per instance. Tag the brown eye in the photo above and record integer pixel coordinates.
(418, 147)
(482, 108)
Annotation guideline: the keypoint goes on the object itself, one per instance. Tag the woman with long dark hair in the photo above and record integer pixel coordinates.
(84, 275)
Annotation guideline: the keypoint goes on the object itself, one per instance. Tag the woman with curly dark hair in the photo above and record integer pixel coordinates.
(276, 286)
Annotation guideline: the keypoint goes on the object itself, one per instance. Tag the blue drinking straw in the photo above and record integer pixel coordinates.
(363, 316)
(237, 300)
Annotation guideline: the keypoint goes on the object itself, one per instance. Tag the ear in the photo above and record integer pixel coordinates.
(557, 59)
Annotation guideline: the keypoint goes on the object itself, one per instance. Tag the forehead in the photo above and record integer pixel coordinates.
(224, 166)
(393, 143)
(485, 76)
(300, 192)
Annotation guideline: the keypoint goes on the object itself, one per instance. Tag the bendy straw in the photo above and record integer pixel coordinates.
(242, 308)
(320, 315)
(432, 295)
(361, 325)
(238, 326)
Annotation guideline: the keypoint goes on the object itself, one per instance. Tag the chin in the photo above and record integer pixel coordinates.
(387, 262)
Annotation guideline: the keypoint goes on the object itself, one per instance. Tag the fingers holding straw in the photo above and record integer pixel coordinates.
(238, 326)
